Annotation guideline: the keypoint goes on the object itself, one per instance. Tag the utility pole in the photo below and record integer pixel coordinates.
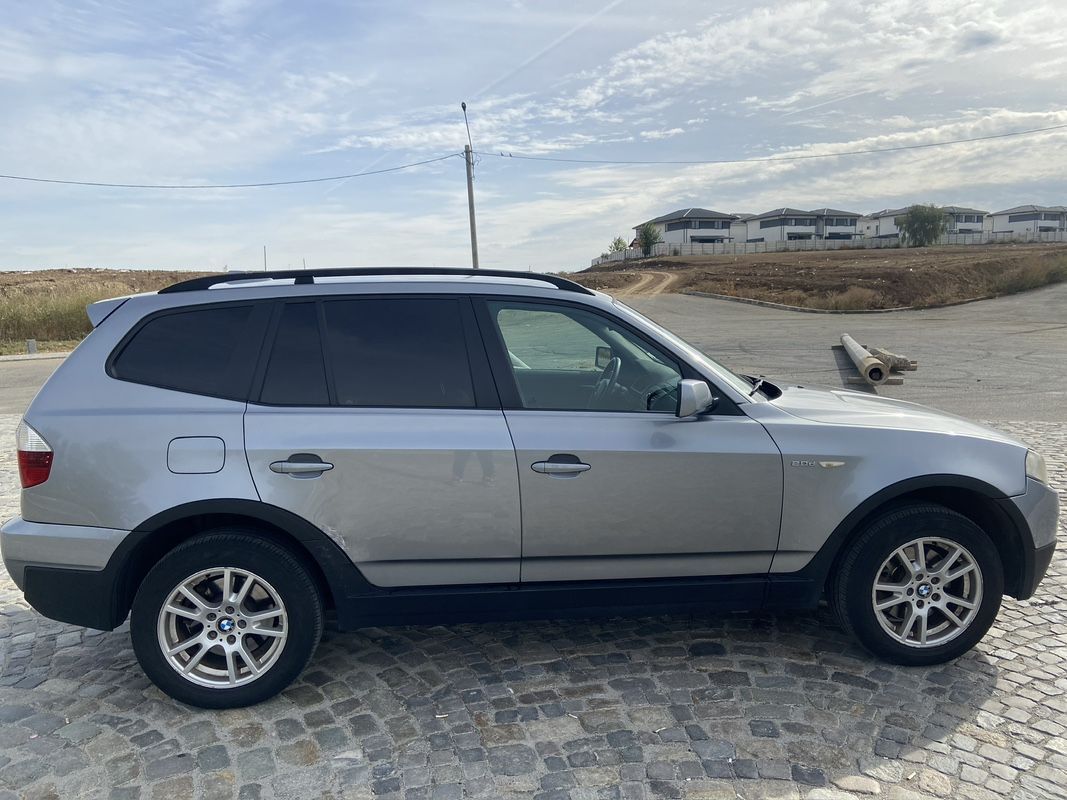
(468, 157)
(264, 258)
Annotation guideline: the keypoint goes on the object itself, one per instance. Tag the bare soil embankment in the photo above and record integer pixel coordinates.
(843, 279)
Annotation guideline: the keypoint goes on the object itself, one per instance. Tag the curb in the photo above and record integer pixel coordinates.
(783, 307)
(34, 356)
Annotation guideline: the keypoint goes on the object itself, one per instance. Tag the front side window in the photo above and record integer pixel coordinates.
(200, 350)
(398, 352)
(567, 359)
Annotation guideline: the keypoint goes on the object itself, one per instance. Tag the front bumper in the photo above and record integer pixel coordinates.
(63, 570)
(1039, 508)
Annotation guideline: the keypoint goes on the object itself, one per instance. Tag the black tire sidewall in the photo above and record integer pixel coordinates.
(875, 546)
(272, 563)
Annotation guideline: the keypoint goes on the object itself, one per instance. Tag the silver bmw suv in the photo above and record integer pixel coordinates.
(235, 462)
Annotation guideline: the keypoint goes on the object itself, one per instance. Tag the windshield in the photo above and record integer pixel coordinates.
(725, 374)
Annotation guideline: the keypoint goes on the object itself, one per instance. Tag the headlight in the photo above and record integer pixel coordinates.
(1035, 467)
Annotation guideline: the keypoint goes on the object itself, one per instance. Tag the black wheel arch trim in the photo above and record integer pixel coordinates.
(804, 588)
(104, 596)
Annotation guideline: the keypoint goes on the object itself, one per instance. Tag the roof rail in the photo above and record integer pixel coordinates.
(305, 276)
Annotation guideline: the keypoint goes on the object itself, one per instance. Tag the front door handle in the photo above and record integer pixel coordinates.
(301, 465)
(559, 467)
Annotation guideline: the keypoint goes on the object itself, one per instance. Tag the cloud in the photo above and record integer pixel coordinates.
(233, 91)
(661, 134)
(107, 103)
(808, 57)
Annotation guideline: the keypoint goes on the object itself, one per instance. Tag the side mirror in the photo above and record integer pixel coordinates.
(603, 357)
(693, 398)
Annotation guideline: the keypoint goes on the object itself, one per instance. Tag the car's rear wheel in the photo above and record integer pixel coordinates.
(226, 619)
(921, 585)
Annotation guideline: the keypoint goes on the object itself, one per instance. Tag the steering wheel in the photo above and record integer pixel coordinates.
(657, 393)
(607, 381)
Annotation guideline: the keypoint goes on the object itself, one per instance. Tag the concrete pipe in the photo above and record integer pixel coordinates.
(870, 368)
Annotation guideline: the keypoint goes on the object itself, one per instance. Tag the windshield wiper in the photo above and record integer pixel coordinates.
(756, 385)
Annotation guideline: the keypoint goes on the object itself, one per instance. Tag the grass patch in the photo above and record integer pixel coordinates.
(48, 317)
(13, 348)
(1033, 273)
(49, 305)
(854, 298)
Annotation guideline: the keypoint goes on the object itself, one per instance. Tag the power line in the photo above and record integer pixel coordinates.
(229, 185)
(552, 159)
(778, 158)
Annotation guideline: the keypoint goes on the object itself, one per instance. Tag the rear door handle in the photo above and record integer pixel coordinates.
(558, 467)
(301, 465)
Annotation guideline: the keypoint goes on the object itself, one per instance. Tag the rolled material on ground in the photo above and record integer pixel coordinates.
(895, 362)
(872, 370)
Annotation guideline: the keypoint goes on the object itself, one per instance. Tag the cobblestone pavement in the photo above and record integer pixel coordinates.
(666, 706)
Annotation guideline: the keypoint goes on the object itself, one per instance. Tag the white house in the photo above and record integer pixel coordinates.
(1027, 219)
(693, 225)
(964, 220)
(881, 224)
(739, 227)
(791, 224)
(832, 223)
(958, 219)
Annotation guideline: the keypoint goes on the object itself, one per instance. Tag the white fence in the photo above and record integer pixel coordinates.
(738, 248)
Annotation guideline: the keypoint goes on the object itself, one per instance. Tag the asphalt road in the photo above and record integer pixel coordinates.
(20, 380)
(1003, 359)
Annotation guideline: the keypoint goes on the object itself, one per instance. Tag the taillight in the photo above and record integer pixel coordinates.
(35, 456)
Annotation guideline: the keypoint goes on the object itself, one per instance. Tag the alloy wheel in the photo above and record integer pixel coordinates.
(222, 627)
(927, 592)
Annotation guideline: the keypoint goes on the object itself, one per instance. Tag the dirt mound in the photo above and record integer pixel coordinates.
(843, 279)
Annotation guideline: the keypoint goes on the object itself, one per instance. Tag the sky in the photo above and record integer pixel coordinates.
(244, 91)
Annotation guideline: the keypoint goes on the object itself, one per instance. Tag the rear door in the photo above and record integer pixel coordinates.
(614, 485)
(376, 419)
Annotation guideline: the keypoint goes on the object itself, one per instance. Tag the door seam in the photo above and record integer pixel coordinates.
(781, 498)
(244, 449)
(518, 486)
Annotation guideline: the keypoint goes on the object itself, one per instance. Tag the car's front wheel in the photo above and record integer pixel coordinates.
(226, 619)
(921, 585)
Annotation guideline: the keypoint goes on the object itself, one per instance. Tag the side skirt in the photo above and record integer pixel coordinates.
(438, 605)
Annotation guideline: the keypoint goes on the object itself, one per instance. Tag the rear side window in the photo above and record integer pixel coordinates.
(296, 374)
(203, 351)
(399, 352)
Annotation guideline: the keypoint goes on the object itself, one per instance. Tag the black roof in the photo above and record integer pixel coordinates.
(796, 212)
(690, 213)
(962, 210)
(1024, 209)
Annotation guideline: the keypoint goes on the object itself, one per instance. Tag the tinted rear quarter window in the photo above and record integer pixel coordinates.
(398, 352)
(296, 374)
(203, 351)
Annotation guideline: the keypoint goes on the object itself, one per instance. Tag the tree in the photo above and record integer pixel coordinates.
(921, 226)
(647, 236)
(618, 244)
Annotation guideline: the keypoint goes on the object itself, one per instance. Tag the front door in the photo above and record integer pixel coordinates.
(614, 486)
(373, 424)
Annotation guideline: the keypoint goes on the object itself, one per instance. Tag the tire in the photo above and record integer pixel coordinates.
(253, 652)
(924, 590)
